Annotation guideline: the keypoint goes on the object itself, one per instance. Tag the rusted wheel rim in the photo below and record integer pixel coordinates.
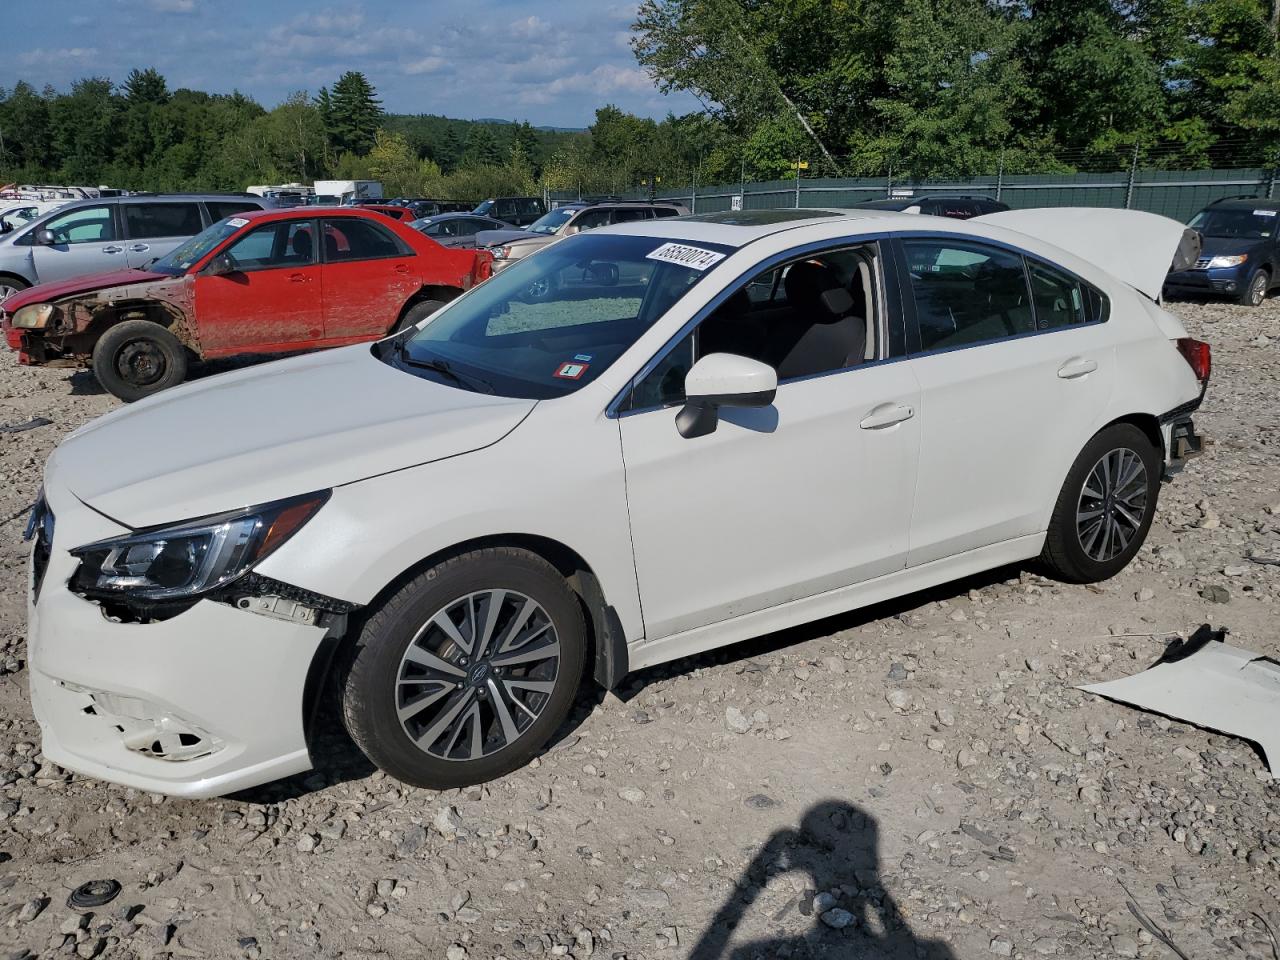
(141, 362)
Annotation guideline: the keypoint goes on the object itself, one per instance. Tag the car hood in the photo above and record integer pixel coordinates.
(1136, 247)
(491, 238)
(47, 292)
(1229, 246)
(277, 430)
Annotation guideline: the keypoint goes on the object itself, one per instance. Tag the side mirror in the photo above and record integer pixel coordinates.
(723, 380)
(45, 238)
(220, 266)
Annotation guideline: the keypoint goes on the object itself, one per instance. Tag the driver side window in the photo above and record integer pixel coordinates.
(814, 315)
(274, 245)
(86, 225)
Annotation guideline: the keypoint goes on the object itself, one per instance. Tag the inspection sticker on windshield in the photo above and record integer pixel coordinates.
(693, 257)
(1264, 213)
(237, 222)
(571, 371)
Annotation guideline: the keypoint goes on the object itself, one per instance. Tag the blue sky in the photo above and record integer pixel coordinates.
(545, 61)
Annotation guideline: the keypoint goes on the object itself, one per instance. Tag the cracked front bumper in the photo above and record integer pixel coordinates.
(201, 705)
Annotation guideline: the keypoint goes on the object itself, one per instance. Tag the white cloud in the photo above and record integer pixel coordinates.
(41, 55)
(174, 6)
(425, 65)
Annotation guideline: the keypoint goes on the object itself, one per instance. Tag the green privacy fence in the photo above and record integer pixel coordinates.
(1173, 193)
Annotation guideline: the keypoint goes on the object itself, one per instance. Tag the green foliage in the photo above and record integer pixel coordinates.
(354, 113)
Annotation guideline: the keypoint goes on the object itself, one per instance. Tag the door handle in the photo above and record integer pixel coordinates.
(113, 249)
(886, 415)
(1077, 367)
(140, 247)
(298, 277)
(401, 268)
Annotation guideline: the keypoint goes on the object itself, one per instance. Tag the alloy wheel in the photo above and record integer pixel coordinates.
(1112, 504)
(7, 290)
(477, 675)
(1258, 289)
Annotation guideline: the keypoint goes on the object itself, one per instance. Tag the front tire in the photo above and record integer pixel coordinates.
(466, 671)
(1105, 507)
(137, 358)
(1255, 290)
(10, 286)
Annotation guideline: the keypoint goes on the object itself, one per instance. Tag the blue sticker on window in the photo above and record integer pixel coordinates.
(583, 357)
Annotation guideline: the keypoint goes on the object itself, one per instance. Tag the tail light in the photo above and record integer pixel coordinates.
(484, 265)
(1196, 353)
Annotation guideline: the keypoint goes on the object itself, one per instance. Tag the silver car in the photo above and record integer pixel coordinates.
(508, 246)
(108, 234)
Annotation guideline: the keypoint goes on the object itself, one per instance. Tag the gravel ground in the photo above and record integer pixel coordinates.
(917, 779)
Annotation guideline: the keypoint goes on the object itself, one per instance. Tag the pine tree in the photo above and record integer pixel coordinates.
(355, 113)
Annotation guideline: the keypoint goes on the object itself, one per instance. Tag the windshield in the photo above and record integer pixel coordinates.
(1241, 223)
(185, 256)
(550, 324)
(551, 222)
(484, 207)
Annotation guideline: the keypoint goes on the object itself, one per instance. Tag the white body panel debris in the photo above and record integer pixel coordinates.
(1217, 686)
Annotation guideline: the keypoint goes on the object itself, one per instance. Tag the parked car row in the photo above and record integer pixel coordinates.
(703, 429)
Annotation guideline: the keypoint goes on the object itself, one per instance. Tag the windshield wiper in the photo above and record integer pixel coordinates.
(444, 368)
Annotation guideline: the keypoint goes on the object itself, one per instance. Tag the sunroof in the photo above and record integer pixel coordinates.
(760, 218)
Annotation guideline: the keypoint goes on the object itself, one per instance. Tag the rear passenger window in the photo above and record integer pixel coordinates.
(146, 220)
(221, 209)
(665, 212)
(967, 293)
(626, 214)
(354, 239)
(1060, 299)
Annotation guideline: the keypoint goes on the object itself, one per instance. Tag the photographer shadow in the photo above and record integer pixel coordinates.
(836, 846)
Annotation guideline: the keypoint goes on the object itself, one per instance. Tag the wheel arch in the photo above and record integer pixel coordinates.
(429, 292)
(1147, 423)
(606, 639)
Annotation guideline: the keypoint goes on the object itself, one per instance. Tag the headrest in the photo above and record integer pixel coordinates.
(838, 302)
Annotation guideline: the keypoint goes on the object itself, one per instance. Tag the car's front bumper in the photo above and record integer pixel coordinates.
(1224, 281)
(203, 704)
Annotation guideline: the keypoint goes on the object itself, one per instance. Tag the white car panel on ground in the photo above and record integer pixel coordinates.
(897, 467)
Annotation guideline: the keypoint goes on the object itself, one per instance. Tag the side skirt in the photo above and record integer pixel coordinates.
(897, 584)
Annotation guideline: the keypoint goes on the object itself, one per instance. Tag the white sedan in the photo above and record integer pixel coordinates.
(644, 442)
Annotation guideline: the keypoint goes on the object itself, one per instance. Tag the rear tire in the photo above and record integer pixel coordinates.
(1105, 507)
(137, 358)
(1255, 289)
(426, 704)
(417, 313)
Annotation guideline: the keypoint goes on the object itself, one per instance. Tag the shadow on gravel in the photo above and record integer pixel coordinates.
(835, 846)
(793, 636)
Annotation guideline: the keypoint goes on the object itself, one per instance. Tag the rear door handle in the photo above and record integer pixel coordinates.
(113, 249)
(1077, 367)
(299, 277)
(886, 415)
(401, 268)
(140, 247)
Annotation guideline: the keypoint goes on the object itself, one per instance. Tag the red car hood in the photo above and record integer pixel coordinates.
(46, 292)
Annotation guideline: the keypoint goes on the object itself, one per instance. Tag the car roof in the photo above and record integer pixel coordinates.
(1245, 203)
(367, 211)
(737, 228)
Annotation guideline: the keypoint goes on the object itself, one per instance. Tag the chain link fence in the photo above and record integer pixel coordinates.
(1174, 193)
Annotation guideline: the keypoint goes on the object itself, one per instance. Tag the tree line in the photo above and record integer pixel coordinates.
(913, 88)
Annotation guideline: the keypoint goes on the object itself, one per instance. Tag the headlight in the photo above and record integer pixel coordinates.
(1234, 261)
(500, 253)
(34, 316)
(185, 560)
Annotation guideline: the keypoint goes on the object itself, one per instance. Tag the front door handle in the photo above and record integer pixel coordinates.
(140, 247)
(298, 277)
(113, 249)
(1077, 367)
(886, 415)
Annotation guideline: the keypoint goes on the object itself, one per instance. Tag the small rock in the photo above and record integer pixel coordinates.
(1145, 594)
(1216, 593)
(631, 794)
(306, 843)
(966, 759)
(448, 821)
(897, 672)
(456, 951)
(736, 721)
(758, 801)
(945, 717)
(823, 902)
(837, 918)
(899, 699)
(1002, 947)
(1124, 946)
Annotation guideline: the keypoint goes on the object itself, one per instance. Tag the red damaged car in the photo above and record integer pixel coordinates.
(261, 282)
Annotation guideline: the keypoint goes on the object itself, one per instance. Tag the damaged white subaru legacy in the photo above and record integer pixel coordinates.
(643, 442)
